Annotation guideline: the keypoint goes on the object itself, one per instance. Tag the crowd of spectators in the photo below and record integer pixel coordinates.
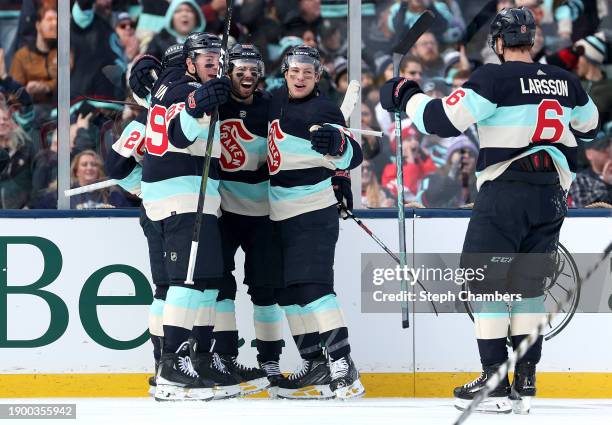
(107, 35)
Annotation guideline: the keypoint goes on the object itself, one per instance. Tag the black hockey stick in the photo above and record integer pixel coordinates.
(408, 40)
(380, 243)
(116, 102)
(527, 342)
(195, 241)
(482, 18)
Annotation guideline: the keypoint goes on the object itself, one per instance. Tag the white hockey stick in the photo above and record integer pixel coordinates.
(351, 97)
(90, 187)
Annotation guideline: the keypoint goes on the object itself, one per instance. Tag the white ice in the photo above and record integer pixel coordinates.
(391, 411)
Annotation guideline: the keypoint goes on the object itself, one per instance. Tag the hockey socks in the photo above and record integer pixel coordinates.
(156, 326)
(225, 332)
(525, 315)
(330, 324)
(491, 320)
(304, 330)
(205, 320)
(268, 332)
(179, 315)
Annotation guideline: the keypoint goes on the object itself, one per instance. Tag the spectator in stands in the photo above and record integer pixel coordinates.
(9, 21)
(417, 164)
(44, 170)
(373, 195)
(125, 28)
(590, 71)
(151, 19)
(594, 184)
(182, 18)
(35, 65)
(16, 176)
(454, 184)
(426, 50)
(308, 13)
(404, 14)
(375, 149)
(97, 55)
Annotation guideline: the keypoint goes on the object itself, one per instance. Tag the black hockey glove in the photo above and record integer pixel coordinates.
(208, 96)
(395, 93)
(144, 73)
(341, 183)
(328, 140)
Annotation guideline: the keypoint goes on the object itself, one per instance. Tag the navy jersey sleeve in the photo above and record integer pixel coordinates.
(453, 114)
(333, 115)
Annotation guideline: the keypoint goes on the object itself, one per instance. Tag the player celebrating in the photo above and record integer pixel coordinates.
(530, 118)
(303, 205)
(172, 167)
(245, 223)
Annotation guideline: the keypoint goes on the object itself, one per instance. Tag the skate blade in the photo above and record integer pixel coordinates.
(312, 392)
(228, 391)
(354, 390)
(175, 393)
(254, 386)
(152, 390)
(489, 405)
(273, 392)
(522, 405)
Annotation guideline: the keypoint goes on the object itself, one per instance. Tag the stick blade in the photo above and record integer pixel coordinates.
(413, 33)
(350, 99)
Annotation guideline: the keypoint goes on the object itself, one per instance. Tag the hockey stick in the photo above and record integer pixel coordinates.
(351, 97)
(195, 241)
(482, 18)
(527, 342)
(117, 102)
(406, 42)
(90, 187)
(380, 243)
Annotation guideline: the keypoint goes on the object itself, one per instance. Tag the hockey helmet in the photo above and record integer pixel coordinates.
(516, 27)
(200, 43)
(245, 55)
(173, 56)
(302, 54)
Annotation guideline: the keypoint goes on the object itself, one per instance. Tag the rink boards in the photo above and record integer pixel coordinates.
(74, 295)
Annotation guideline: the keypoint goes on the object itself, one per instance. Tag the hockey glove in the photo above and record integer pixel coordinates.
(208, 96)
(328, 140)
(144, 73)
(395, 93)
(341, 182)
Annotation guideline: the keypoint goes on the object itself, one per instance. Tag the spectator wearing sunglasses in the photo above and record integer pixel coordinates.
(126, 31)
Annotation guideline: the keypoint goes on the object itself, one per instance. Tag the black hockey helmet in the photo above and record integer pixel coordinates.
(302, 54)
(245, 54)
(201, 42)
(516, 27)
(173, 56)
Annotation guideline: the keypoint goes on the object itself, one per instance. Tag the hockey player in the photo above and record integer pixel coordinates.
(530, 119)
(304, 208)
(177, 127)
(245, 223)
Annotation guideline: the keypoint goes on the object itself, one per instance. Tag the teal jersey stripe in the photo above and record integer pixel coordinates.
(521, 116)
(584, 113)
(225, 306)
(554, 153)
(418, 117)
(292, 310)
(251, 191)
(296, 146)
(158, 191)
(192, 128)
(183, 297)
(9, 14)
(268, 313)
(278, 193)
(326, 303)
(132, 181)
(479, 106)
(157, 307)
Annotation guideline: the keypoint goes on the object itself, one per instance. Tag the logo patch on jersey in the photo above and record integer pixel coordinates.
(191, 100)
(523, 29)
(233, 134)
(275, 134)
(540, 72)
(242, 114)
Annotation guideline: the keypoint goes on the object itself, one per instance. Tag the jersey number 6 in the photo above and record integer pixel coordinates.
(553, 124)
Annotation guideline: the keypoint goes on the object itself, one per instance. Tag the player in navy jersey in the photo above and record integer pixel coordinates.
(177, 127)
(531, 118)
(245, 223)
(307, 144)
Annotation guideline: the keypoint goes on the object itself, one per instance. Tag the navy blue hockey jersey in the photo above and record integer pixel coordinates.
(520, 108)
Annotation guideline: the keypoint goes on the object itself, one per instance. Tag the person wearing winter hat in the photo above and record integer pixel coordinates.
(592, 76)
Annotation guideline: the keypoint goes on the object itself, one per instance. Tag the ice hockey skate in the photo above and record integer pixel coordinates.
(345, 379)
(523, 387)
(252, 380)
(312, 381)
(498, 400)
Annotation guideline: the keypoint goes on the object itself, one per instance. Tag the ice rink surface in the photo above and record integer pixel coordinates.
(379, 411)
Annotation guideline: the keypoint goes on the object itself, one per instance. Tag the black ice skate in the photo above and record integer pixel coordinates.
(252, 380)
(275, 377)
(523, 387)
(152, 383)
(210, 366)
(496, 402)
(345, 379)
(310, 382)
(177, 379)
